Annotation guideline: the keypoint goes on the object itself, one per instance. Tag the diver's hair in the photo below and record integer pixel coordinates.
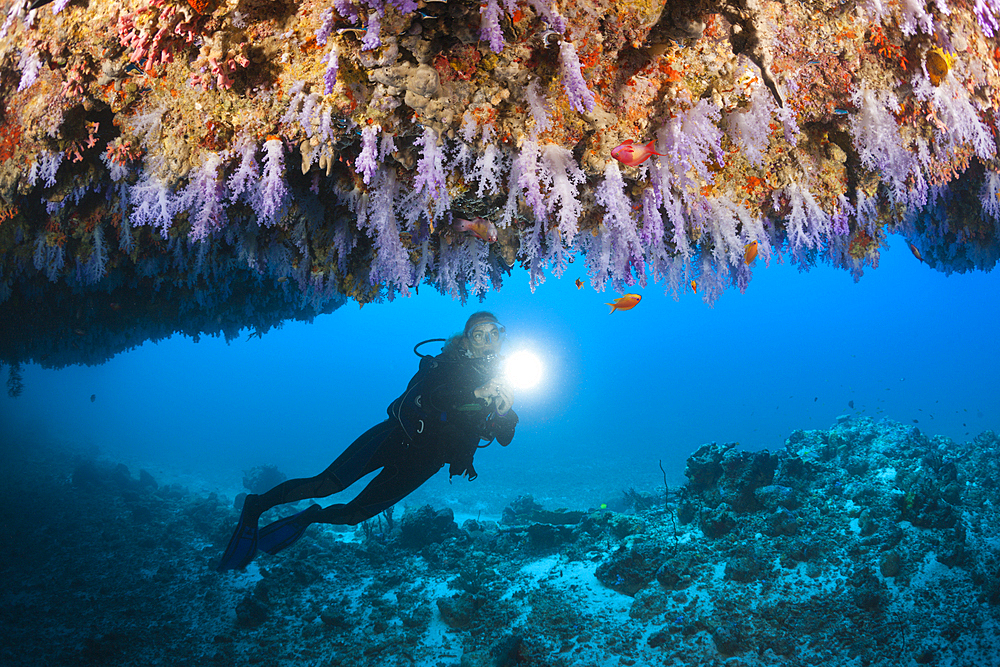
(479, 318)
(458, 344)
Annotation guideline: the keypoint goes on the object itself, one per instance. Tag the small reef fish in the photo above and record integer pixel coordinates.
(916, 253)
(579, 284)
(750, 252)
(481, 228)
(93, 397)
(632, 154)
(626, 302)
(694, 287)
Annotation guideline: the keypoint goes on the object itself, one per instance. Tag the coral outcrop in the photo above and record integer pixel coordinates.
(314, 152)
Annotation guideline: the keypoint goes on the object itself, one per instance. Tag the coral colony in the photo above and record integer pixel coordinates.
(208, 165)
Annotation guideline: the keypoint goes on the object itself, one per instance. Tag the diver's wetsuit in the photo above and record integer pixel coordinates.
(463, 420)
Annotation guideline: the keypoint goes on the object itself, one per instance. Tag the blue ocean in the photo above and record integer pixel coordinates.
(595, 538)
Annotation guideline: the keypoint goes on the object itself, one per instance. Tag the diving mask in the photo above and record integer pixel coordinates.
(487, 333)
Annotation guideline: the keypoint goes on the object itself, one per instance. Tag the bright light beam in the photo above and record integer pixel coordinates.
(523, 370)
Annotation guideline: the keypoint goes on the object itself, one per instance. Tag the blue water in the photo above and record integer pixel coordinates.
(650, 384)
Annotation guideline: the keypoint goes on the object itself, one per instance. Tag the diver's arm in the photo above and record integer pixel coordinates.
(451, 391)
(502, 427)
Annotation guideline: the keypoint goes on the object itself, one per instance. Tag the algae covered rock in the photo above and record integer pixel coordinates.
(629, 568)
(425, 525)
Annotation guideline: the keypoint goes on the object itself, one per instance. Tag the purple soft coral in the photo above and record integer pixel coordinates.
(525, 174)
(564, 177)
(547, 10)
(489, 26)
(246, 173)
(152, 203)
(372, 38)
(430, 178)
(620, 253)
(878, 141)
(332, 61)
(986, 13)
(367, 161)
(46, 168)
(204, 198)
(581, 98)
(807, 224)
(377, 216)
(323, 34)
(273, 189)
(30, 63)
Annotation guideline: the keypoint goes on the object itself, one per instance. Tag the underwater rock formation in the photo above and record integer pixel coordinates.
(194, 151)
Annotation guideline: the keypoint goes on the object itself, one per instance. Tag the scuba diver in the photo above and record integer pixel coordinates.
(455, 400)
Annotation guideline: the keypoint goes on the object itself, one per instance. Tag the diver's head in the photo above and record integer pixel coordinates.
(483, 334)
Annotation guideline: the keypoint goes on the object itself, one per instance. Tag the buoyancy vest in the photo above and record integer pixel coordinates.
(413, 412)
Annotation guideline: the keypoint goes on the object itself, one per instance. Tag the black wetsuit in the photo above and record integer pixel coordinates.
(461, 422)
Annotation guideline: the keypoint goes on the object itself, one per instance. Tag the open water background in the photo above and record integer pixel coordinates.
(621, 392)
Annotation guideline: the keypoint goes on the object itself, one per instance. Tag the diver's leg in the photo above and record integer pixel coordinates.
(361, 457)
(400, 477)
(371, 451)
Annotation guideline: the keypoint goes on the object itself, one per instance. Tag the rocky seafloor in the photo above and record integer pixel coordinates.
(870, 543)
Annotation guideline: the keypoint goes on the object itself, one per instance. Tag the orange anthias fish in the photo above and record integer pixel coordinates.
(750, 252)
(913, 249)
(626, 302)
(579, 283)
(694, 287)
(632, 154)
(481, 228)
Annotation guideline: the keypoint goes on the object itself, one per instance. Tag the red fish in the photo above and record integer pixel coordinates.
(481, 228)
(913, 249)
(632, 154)
(626, 302)
(750, 252)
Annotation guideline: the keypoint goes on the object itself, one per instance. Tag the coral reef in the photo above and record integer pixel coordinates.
(190, 142)
(865, 544)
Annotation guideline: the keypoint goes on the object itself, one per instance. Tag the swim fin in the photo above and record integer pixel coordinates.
(243, 544)
(284, 532)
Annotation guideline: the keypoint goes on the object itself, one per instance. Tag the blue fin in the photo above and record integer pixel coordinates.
(284, 532)
(243, 544)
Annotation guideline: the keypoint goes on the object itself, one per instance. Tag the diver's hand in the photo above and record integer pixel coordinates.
(489, 390)
(504, 400)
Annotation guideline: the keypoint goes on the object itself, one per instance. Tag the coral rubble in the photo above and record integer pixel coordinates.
(329, 146)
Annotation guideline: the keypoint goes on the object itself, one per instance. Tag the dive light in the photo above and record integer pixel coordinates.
(522, 370)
